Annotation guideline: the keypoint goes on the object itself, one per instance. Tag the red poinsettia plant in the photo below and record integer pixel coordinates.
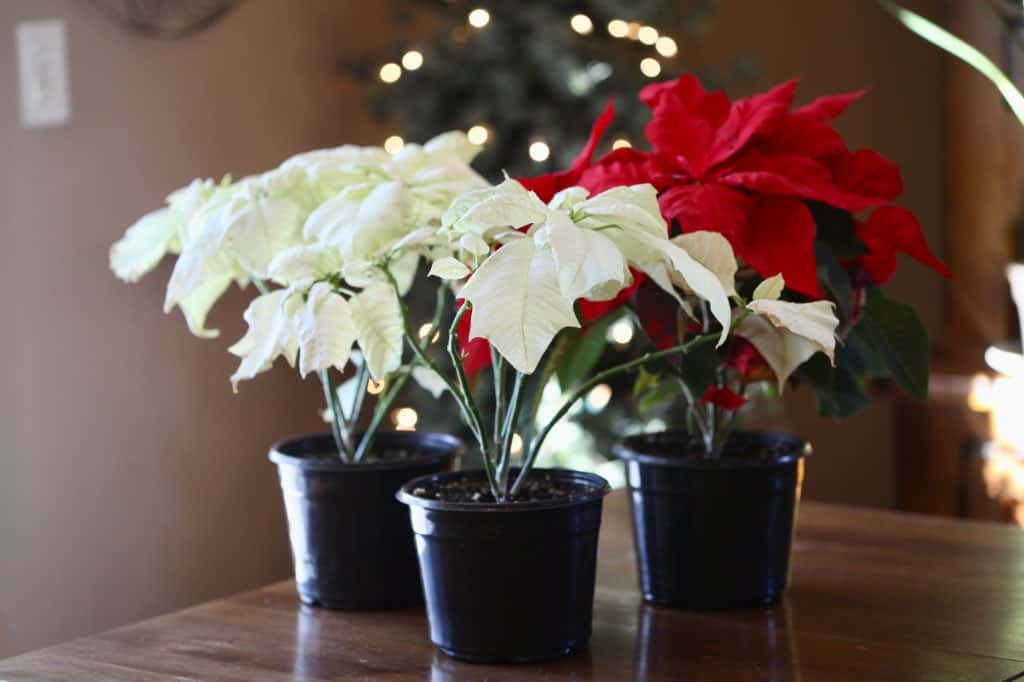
(798, 208)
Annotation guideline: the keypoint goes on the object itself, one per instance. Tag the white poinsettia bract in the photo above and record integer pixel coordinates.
(575, 247)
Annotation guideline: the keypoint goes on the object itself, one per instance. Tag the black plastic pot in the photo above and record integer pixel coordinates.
(351, 541)
(713, 534)
(509, 583)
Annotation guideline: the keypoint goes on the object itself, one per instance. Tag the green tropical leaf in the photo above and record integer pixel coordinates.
(897, 334)
(583, 351)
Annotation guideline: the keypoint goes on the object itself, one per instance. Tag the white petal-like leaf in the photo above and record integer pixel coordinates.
(714, 252)
(517, 303)
(448, 268)
(304, 264)
(770, 289)
(378, 325)
(815, 321)
(272, 332)
(260, 231)
(590, 264)
(429, 380)
(474, 245)
(567, 198)
(631, 208)
(663, 260)
(326, 331)
(455, 144)
(506, 205)
(201, 275)
(781, 349)
(143, 245)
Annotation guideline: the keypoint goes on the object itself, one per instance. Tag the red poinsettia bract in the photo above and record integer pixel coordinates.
(748, 168)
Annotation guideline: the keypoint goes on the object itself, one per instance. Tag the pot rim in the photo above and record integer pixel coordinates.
(629, 449)
(599, 487)
(445, 444)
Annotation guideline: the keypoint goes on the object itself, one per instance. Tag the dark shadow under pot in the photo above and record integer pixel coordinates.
(351, 540)
(512, 582)
(713, 534)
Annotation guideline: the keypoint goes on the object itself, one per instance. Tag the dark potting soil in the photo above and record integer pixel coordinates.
(747, 447)
(537, 488)
(375, 456)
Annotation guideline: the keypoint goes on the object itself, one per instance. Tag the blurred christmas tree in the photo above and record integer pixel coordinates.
(527, 78)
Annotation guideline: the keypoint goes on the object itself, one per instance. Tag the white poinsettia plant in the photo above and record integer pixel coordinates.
(331, 241)
(519, 266)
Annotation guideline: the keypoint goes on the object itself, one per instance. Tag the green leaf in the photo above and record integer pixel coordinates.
(838, 231)
(901, 340)
(645, 381)
(835, 278)
(583, 352)
(665, 391)
(698, 369)
(838, 390)
(863, 358)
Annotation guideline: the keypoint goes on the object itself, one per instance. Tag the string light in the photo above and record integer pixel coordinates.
(666, 47)
(374, 387)
(599, 396)
(405, 418)
(479, 18)
(478, 134)
(648, 35)
(621, 332)
(582, 24)
(390, 72)
(539, 151)
(621, 143)
(412, 60)
(633, 30)
(650, 67)
(393, 144)
(617, 28)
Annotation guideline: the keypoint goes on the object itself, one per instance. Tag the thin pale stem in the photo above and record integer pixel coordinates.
(337, 429)
(507, 434)
(498, 365)
(584, 388)
(379, 413)
(460, 371)
(359, 398)
(470, 413)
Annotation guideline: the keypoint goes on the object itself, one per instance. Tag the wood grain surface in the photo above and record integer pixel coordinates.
(875, 596)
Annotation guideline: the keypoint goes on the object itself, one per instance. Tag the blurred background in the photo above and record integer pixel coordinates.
(132, 480)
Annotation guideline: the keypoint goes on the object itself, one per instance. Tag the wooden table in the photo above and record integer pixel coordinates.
(875, 596)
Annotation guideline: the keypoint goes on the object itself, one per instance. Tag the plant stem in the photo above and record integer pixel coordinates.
(359, 397)
(330, 396)
(584, 388)
(498, 365)
(379, 412)
(460, 371)
(507, 433)
(470, 414)
(398, 381)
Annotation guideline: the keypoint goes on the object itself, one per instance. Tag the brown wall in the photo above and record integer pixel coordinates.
(132, 482)
(839, 46)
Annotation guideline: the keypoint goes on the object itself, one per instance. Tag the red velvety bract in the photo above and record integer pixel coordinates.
(890, 229)
(723, 397)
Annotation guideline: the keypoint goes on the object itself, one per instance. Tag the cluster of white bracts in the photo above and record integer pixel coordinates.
(343, 215)
(582, 247)
(324, 213)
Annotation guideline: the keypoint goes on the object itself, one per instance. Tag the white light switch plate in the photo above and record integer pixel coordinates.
(43, 73)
